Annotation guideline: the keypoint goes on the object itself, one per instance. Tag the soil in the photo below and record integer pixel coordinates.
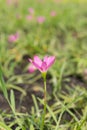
(25, 103)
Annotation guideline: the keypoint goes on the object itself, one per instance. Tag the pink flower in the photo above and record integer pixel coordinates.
(53, 13)
(9, 2)
(13, 37)
(29, 17)
(40, 19)
(31, 10)
(31, 68)
(43, 65)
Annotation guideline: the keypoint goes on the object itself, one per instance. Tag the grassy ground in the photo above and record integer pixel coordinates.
(64, 36)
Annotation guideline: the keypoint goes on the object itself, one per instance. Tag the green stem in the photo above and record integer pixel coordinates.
(44, 112)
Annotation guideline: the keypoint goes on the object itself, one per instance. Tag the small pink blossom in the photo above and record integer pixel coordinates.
(12, 2)
(29, 17)
(9, 2)
(43, 65)
(31, 68)
(53, 13)
(13, 37)
(40, 19)
(31, 10)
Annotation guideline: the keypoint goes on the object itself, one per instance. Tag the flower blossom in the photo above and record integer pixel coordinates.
(40, 19)
(13, 37)
(53, 13)
(43, 65)
(9, 2)
(31, 10)
(31, 68)
(29, 17)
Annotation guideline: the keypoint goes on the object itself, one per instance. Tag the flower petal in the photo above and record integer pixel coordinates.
(50, 61)
(37, 61)
(30, 60)
(44, 67)
(31, 68)
(36, 65)
(45, 58)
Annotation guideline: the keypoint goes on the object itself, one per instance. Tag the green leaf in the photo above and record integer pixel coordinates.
(2, 84)
(3, 126)
(31, 127)
(12, 99)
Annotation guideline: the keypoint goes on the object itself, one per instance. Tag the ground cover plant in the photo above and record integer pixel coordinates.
(43, 28)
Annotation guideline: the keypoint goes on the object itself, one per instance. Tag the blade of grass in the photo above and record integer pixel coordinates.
(50, 111)
(12, 100)
(2, 84)
(4, 127)
(36, 105)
